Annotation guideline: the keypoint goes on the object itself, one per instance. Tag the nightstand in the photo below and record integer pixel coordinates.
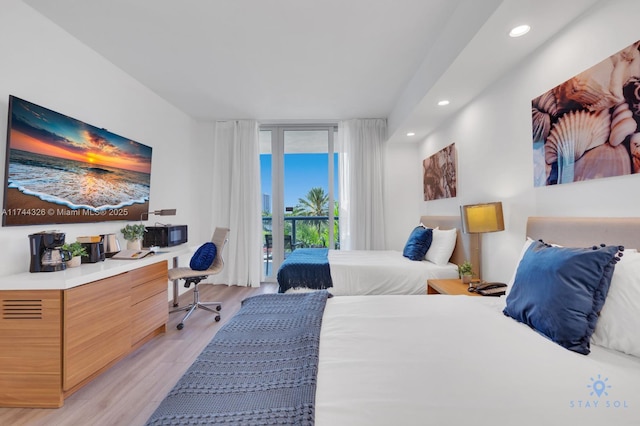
(448, 286)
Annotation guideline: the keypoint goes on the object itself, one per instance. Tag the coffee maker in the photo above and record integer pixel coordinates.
(46, 254)
(95, 252)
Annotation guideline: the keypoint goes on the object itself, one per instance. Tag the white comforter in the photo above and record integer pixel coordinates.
(456, 360)
(366, 272)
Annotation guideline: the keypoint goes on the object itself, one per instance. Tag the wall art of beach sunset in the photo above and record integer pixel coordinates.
(61, 170)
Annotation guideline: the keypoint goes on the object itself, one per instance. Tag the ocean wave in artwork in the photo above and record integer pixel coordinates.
(78, 185)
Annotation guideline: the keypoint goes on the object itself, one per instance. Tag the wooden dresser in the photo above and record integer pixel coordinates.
(54, 341)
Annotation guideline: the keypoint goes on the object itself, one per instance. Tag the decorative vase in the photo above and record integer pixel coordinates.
(466, 279)
(134, 245)
(75, 261)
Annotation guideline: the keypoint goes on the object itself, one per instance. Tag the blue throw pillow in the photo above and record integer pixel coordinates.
(559, 291)
(418, 243)
(203, 257)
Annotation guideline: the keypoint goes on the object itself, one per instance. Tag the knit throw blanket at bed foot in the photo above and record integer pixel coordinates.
(305, 267)
(259, 369)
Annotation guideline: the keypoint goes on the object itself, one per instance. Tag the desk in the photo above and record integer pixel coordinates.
(60, 330)
(87, 272)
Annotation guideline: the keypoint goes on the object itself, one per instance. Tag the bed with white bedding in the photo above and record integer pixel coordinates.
(376, 272)
(360, 272)
(452, 360)
(455, 360)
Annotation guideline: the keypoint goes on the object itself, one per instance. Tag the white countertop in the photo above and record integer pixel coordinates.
(85, 273)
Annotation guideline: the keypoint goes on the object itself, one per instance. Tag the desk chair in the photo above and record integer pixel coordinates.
(191, 276)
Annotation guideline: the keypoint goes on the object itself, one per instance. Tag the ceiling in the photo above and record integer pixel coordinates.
(319, 61)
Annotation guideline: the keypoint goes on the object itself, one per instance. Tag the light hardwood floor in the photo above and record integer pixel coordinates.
(130, 391)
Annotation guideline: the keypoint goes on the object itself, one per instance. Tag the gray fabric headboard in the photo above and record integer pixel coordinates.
(586, 231)
(467, 245)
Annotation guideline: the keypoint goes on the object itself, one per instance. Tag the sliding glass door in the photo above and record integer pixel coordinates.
(299, 188)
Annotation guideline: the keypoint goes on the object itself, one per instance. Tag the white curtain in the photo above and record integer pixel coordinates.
(361, 151)
(236, 200)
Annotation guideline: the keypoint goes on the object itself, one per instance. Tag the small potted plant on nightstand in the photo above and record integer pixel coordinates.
(465, 271)
(77, 251)
(133, 234)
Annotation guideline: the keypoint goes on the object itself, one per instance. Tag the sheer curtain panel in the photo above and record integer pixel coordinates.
(361, 152)
(236, 200)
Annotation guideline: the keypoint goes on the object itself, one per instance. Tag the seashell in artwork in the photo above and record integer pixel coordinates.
(631, 93)
(571, 136)
(543, 108)
(602, 161)
(600, 87)
(541, 123)
(577, 132)
(546, 103)
(622, 124)
(587, 90)
(634, 147)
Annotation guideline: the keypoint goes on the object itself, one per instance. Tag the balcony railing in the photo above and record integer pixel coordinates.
(293, 228)
(292, 225)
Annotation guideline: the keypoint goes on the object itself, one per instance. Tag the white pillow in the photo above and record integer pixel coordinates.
(442, 246)
(619, 321)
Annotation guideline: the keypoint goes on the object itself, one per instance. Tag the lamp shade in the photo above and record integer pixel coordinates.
(480, 218)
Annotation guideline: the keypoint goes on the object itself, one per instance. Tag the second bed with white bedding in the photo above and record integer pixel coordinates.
(367, 272)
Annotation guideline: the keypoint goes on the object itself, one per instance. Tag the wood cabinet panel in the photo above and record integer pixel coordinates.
(96, 327)
(30, 348)
(148, 315)
(52, 342)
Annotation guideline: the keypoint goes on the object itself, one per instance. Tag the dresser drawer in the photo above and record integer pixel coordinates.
(148, 273)
(145, 290)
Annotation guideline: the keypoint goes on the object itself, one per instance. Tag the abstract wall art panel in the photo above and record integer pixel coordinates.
(440, 174)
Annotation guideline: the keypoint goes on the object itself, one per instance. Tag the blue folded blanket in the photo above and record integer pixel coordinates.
(305, 267)
(259, 369)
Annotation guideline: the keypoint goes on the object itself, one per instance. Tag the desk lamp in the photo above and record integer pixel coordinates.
(163, 212)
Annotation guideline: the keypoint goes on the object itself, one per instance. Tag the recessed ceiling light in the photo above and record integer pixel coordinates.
(520, 30)
(411, 134)
(443, 102)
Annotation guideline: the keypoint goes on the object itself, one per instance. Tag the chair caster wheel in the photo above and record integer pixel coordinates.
(217, 318)
(218, 307)
(180, 326)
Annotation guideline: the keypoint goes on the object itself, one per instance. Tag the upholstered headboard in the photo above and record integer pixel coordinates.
(585, 231)
(467, 245)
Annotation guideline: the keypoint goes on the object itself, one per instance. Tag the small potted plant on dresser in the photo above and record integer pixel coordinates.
(465, 271)
(133, 234)
(77, 251)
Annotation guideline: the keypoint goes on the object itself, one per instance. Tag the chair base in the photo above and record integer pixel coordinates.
(213, 307)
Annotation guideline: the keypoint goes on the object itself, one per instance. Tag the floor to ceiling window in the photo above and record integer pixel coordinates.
(299, 181)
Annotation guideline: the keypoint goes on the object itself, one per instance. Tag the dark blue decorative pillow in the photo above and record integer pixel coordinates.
(418, 243)
(559, 291)
(203, 257)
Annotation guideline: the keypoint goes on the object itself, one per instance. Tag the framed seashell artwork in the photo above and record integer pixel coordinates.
(588, 126)
(440, 174)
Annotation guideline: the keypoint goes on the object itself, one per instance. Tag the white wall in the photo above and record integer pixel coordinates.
(493, 141)
(402, 193)
(45, 65)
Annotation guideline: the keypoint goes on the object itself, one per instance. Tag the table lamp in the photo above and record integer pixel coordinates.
(481, 218)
